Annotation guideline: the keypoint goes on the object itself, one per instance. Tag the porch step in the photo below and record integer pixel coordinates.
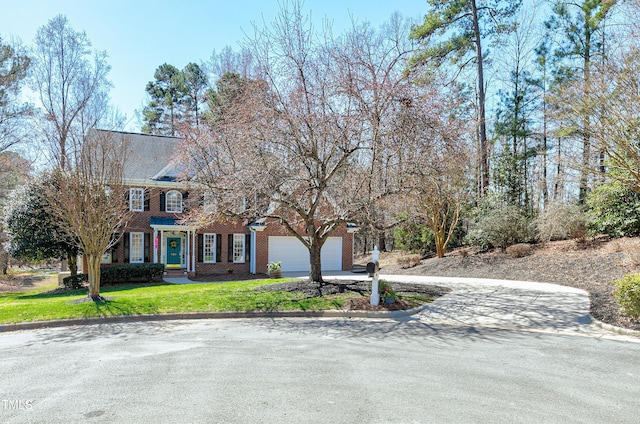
(174, 273)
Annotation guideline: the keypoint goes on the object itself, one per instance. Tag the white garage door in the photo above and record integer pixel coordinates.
(295, 257)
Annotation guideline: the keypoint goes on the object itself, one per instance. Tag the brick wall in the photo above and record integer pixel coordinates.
(141, 222)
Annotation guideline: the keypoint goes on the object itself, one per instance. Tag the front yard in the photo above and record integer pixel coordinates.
(45, 303)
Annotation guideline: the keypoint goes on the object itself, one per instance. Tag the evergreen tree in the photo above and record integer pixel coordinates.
(456, 30)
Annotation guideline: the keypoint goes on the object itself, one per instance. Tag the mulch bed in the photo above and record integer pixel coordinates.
(361, 292)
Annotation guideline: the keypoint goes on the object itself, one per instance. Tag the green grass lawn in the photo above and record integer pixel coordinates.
(40, 305)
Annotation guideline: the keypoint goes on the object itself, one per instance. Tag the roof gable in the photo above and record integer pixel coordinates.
(149, 157)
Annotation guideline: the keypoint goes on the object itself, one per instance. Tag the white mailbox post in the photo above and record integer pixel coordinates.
(373, 266)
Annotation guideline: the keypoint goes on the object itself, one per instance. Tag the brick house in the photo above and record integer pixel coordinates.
(155, 234)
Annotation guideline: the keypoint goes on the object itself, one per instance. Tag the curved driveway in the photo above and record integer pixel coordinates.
(490, 351)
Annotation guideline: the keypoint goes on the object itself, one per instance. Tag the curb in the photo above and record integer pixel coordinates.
(613, 328)
(209, 315)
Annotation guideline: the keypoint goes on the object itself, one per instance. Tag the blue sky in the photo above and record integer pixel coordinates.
(140, 35)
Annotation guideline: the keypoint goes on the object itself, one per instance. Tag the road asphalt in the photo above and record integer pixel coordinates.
(490, 351)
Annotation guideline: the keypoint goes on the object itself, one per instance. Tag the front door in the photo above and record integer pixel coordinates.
(173, 252)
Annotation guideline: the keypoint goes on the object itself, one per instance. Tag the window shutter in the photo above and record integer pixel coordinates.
(200, 247)
(185, 202)
(126, 240)
(127, 196)
(218, 247)
(230, 248)
(114, 254)
(147, 247)
(146, 200)
(163, 201)
(247, 248)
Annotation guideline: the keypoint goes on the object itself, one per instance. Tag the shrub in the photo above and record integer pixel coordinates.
(627, 294)
(632, 256)
(614, 209)
(561, 222)
(408, 261)
(414, 237)
(122, 274)
(499, 226)
(519, 250)
(75, 282)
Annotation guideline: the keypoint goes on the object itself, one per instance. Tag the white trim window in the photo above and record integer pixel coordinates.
(209, 246)
(106, 258)
(174, 201)
(238, 248)
(136, 199)
(136, 247)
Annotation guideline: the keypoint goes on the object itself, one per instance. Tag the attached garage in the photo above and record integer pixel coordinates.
(295, 256)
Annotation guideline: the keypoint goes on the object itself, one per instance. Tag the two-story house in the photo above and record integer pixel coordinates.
(158, 200)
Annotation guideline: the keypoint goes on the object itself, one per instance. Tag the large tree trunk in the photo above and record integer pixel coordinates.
(72, 261)
(482, 128)
(93, 262)
(315, 271)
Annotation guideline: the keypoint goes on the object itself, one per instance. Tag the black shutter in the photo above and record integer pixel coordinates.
(127, 195)
(247, 248)
(146, 200)
(230, 248)
(147, 247)
(126, 241)
(218, 247)
(185, 203)
(114, 254)
(200, 247)
(163, 201)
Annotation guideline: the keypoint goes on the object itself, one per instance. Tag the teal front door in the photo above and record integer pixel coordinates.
(173, 252)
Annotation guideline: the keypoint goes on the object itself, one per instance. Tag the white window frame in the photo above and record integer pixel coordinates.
(136, 248)
(173, 205)
(106, 257)
(209, 248)
(136, 199)
(238, 246)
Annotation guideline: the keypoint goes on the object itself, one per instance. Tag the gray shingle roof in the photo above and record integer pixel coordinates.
(147, 154)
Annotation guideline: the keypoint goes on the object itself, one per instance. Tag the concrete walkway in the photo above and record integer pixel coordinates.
(504, 304)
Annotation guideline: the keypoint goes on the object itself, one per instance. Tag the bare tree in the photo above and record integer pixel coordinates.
(72, 86)
(89, 200)
(295, 146)
(614, 108)
(437, 141)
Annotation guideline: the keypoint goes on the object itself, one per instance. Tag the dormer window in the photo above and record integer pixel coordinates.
(174, 201)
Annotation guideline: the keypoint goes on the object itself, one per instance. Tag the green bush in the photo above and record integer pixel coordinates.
(614, 209)
(414, 237)
(627, 294)
(122, 274)
(497, 225)
(75, 282)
